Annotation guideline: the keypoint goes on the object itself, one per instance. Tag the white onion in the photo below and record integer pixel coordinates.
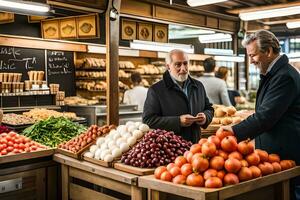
(103, 146)
(129, 123)
(89, 154)
(120, 140)
(131, 141)
(126, 136)
(108, 158)
(144, 127)
(112, 147)
(111, 143)
(104, 153)
(116, 152)
(131, 128)
(93, 148)
(137, 134)
(100, 141)
(124, 147)
(98, 153)
(137, 124)
(116, 136)
(121, 128)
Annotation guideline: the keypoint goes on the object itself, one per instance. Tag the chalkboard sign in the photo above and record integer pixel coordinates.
(61, 70)
(21, 60)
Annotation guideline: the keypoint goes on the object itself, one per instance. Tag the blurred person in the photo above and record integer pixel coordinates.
(136, 95)
(275, 125)
(215, 88)
(178, 102)
(234, 95)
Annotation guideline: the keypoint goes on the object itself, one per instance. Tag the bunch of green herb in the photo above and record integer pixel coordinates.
(53, 131)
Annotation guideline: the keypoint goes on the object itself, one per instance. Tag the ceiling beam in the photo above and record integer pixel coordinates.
(280, 21)
(260, 8)
(244, 3)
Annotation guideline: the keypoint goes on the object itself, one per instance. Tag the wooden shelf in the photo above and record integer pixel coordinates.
(91, 69)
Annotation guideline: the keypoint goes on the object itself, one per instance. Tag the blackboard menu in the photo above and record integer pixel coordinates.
(21, 60)
(61, 70)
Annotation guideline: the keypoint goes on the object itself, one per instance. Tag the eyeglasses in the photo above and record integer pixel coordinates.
(179, 64)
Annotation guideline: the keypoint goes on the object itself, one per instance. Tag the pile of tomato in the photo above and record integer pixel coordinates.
(219, 161)
(12, 143)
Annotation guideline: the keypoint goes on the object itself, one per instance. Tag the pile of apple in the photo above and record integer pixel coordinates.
(219, 161)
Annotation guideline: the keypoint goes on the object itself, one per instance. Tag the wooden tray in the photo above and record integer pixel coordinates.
(226, 192)
(26, 156)
(133, 170)
(98, 162)
(77, 155)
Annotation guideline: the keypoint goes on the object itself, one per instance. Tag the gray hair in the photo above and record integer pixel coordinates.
(171, 53)
(265, 39)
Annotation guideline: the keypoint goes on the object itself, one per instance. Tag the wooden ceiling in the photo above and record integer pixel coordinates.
(232, 7)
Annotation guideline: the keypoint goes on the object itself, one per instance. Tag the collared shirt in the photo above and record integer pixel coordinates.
(184, 88)
(209, 74)
(272, 64)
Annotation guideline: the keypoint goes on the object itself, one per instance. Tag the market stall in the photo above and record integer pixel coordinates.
(274, 186)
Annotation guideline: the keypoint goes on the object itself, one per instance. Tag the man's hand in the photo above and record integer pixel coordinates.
(225, 128)
(186, 120)
(202, 119)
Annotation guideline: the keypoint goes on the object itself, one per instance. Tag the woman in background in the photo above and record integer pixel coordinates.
(234, 95)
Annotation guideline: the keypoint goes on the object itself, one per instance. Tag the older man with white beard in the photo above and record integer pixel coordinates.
(178, 102)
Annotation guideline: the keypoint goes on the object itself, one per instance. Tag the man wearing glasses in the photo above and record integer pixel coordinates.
(178, 103)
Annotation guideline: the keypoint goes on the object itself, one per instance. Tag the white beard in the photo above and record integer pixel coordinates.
(180, 78)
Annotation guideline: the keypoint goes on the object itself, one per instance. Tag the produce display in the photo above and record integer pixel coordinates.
(42, 114)
(219, 161)
(15, 119)
(12, 143)
(81, 141)
(53, 131)
(117, 141)
(225, 115)
(158, 147)
(4, 129)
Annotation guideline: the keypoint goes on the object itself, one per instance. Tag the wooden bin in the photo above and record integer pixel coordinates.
(274, 186)
(103, 177)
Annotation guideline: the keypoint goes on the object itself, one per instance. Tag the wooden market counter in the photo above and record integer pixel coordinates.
(274, 186)
(108, 178)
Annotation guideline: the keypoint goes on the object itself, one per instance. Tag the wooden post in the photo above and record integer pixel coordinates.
(236, 65)
(65, 181)
(112, 61)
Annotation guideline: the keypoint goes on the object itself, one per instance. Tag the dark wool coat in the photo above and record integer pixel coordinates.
(165, 103)
(276, 122)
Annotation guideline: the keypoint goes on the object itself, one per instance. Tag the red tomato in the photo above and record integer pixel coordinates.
(3, 141)
(10, 148)
(21, 146)
(16, 151)
(16, 146)
(10, 143)
(33, 148)
(4, 152)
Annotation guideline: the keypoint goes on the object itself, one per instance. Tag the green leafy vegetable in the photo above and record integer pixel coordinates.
(53, 131)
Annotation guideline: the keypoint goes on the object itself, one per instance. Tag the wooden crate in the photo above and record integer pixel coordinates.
(133, 170)
(26, 156)
(106, 178)
(77, 155)
(278, 180)
(98, 162)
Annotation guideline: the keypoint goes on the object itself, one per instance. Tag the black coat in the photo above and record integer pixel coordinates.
(165, 102)
(276, 122)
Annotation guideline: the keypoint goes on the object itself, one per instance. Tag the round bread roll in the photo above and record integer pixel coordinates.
(231, 110)
(220, 112)
(226, 121)
(215, 121)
